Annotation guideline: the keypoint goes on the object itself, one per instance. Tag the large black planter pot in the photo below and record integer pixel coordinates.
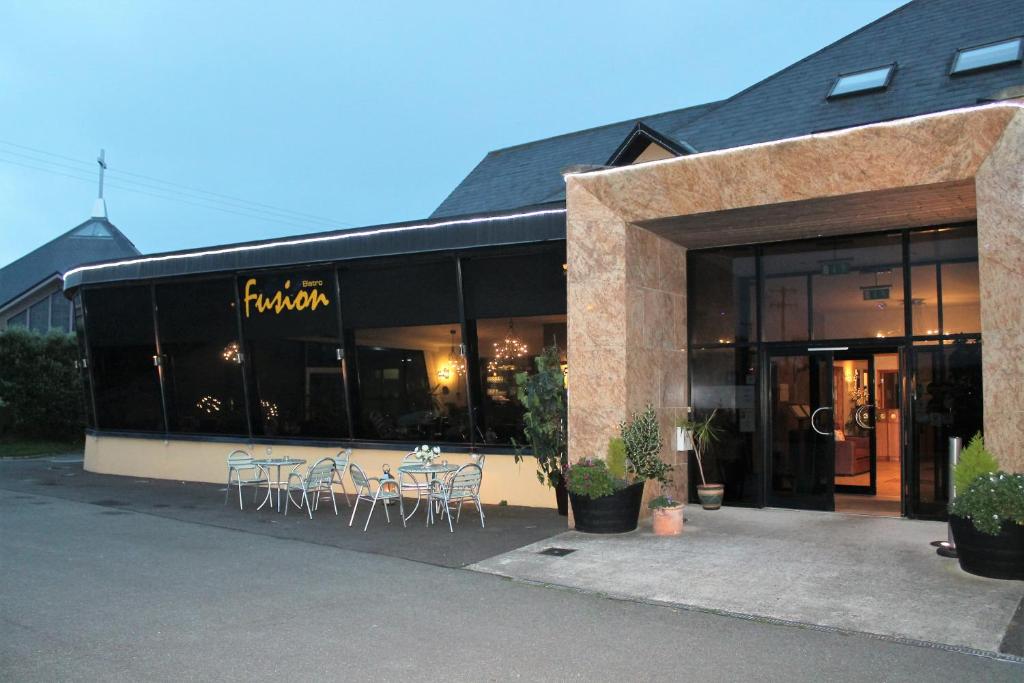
(614, 514)
(997, 557)
(562, 498)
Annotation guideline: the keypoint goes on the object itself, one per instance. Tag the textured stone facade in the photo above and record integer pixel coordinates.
(628, 229)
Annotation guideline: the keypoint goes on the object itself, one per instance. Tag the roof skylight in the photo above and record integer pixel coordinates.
(858, 82)
(985, 56)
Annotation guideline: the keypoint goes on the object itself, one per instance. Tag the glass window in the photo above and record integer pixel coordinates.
(119, 323)
(785, 294)
(39, 316)
(60, 312)
(508, 346)
(723, 296)
(292, 353)
(726, 380)
(515, 306)
(403, 323)
(862, 81)
(984, 56)
(199, 341)
(854, 287)
(944, 281)
(90, 417)
(946, 401)
(18, 319)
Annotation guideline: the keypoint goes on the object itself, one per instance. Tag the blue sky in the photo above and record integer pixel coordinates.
(348, 113)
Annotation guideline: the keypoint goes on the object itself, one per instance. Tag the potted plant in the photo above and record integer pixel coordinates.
(606, 494)
(987, 515)
(703, 433)
(666, 516)
(542, 395)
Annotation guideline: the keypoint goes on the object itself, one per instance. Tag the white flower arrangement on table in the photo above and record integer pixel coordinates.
(427, 454)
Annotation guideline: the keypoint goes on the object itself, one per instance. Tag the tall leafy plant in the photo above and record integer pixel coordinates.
(975, 461)
(542, 394)
(703, 435)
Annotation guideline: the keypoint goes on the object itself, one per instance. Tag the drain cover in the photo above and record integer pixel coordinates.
(557, 552)
(108, 502)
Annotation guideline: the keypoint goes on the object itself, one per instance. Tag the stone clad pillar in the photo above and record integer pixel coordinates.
(999, 185)
(627, 329)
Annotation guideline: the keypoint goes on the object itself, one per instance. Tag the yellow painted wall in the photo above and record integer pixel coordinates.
(504, 479)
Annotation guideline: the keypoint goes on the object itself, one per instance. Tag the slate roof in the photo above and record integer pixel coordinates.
(94, 240)
(921, 37)
(529, 174)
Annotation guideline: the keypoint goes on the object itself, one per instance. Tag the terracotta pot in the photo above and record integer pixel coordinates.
(711, 495)
(667, 521)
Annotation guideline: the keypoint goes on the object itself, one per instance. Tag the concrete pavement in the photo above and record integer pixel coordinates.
(869, 574)
(93, 592)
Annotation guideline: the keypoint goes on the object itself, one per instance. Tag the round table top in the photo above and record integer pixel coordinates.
(280, 462)
(420, 468)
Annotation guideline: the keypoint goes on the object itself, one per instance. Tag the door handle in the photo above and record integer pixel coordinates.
(814, 425)
(860, 416)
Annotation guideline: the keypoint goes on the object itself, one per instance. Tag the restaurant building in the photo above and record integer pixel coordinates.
(831, 259)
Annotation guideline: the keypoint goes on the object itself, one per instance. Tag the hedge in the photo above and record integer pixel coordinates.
(40, 388)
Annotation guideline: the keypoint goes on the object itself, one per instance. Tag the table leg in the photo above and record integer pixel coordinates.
(270, 495)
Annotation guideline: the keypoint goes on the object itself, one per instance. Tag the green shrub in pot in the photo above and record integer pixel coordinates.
(987, 520)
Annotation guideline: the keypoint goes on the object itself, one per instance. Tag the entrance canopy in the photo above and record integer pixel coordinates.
(629, 229)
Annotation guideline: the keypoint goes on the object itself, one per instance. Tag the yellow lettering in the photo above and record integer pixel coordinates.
(303, 299)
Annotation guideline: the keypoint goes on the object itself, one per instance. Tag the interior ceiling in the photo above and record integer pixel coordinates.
(908, 207)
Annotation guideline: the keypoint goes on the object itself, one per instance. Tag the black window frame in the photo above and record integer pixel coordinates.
(832, 95)
(953, 71)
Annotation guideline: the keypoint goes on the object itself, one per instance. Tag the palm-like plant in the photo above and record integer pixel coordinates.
(703, 433)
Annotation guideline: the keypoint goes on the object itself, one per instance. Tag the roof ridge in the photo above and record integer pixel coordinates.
(633, 119)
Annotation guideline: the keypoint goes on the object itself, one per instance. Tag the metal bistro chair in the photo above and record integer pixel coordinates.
(457, 489)
(372, 489)
(314, 484)
(244, 471)
(408, 482)
(341, 460)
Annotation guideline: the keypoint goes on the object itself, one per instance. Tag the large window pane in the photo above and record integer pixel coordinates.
(515, 306)
(725, 379)
(291, 353)
(83, 367)
(723, 296)
(854, 286)
(119, 322)
(947, 402)
(39, 316)
(944, 281)
(410, 375)
(199, 342)
(508, 346)
(60, 312)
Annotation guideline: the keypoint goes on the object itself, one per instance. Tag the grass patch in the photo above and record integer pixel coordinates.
(19, 447)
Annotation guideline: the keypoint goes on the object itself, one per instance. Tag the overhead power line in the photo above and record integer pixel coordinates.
(278, 220)
(208, 197)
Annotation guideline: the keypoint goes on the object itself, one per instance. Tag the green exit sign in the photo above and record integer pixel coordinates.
(876, 293)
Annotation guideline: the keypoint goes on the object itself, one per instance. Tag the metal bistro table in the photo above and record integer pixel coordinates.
(432, 471)
(266, 464)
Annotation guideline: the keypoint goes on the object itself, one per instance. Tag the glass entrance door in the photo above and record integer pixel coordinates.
(801, 424)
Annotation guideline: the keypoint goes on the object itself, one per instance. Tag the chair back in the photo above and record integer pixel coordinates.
(321, 473)
(358, 478)
(479, 459)
(239, 459)
(342, 458)
(466, 480)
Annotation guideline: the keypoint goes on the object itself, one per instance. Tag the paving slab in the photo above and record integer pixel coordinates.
(507, 527)
(851, 572)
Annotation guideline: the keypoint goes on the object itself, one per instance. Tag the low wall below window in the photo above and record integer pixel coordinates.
(204, 461)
